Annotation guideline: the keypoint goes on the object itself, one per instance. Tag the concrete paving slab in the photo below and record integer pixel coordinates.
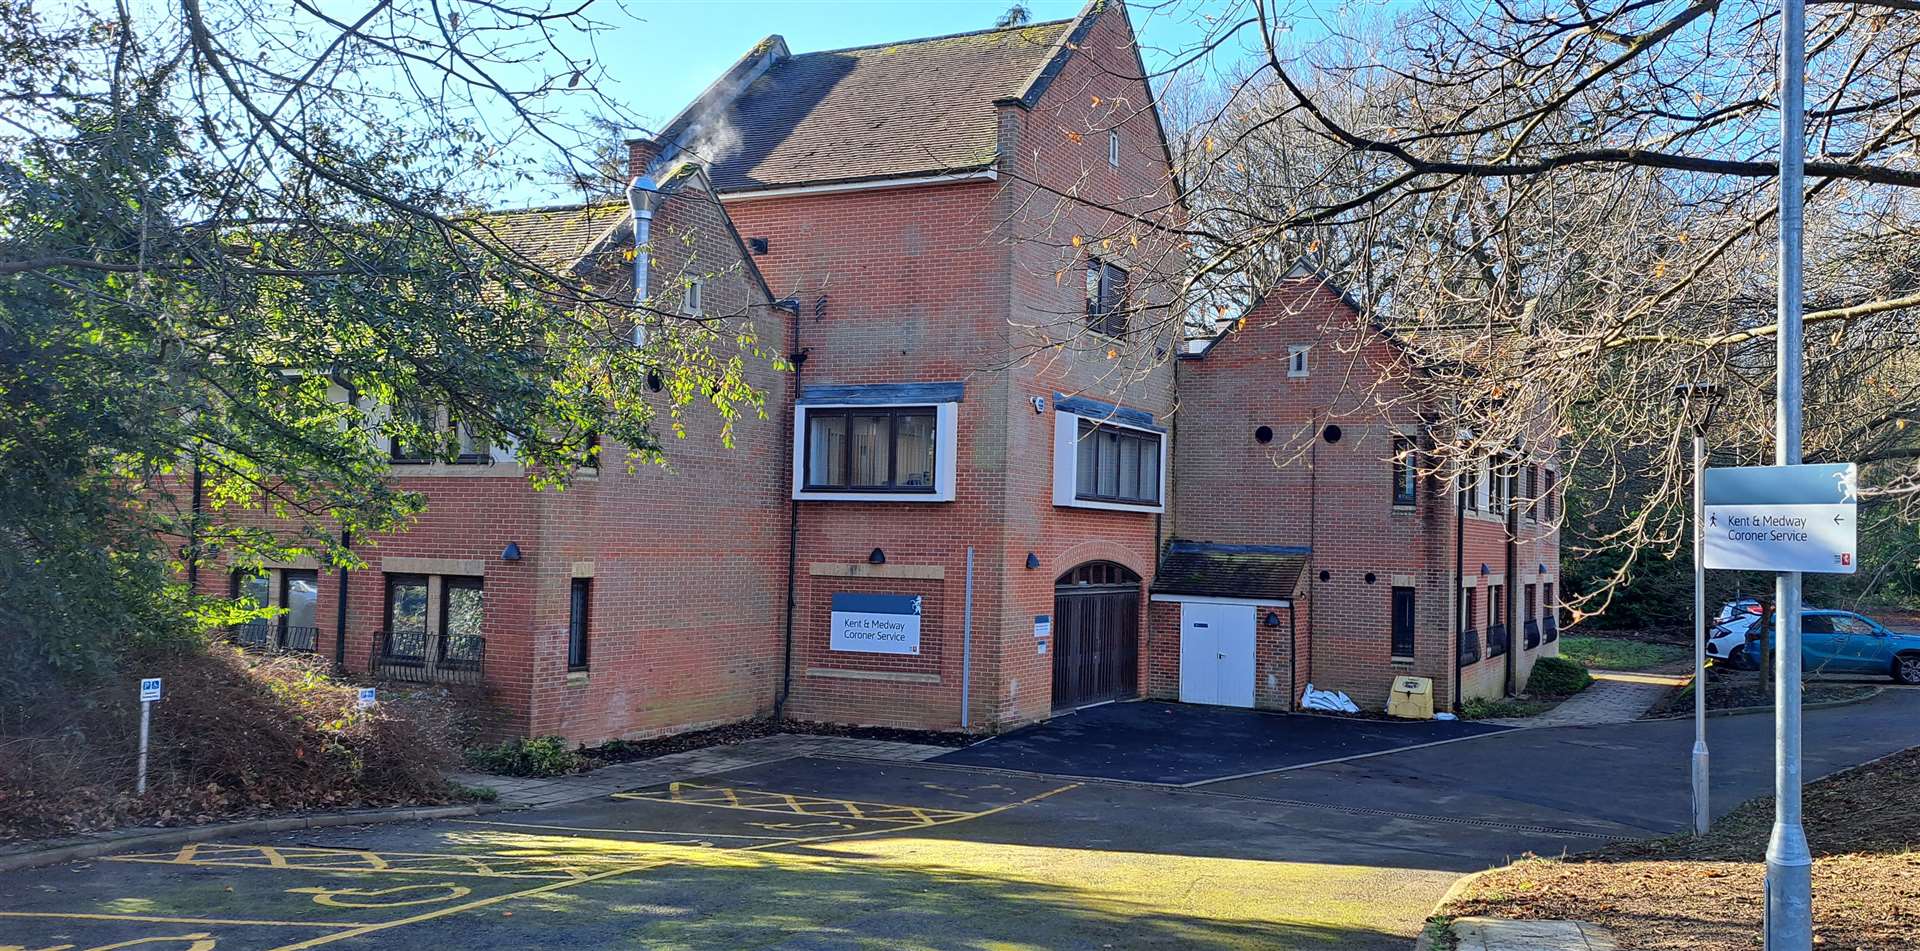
(1499, 934)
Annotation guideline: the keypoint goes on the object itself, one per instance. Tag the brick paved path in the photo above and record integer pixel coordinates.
(1615, 697)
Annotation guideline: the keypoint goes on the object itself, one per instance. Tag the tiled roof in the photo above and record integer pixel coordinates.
(557, 236)
(1261, 572)
(916, 108)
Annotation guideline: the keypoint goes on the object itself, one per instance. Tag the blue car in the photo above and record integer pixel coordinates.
(1842, 642)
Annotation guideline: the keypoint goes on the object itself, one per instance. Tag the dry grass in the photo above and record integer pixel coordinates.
(1706, 894)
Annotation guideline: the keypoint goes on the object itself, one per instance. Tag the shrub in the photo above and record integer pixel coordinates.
(540, 756)
(1481, 708)
(234, 734)
(1557, 677)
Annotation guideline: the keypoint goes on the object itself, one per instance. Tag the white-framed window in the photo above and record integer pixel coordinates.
(868, 453)
(1113, 148)
(691, 304)
(470, 448)
(1102, 463)
(1297, 359)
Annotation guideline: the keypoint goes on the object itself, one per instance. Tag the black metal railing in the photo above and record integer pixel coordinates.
(271, 635)
(415, 657)
(254, 635)
(295, 638)
(1531, 631)
(1497, 640)
(1549, 629)
(1469, 646)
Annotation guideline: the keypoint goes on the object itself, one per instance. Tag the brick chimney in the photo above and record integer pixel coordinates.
(641, 153)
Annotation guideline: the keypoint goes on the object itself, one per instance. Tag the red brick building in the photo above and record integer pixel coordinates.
(1304, 496)
(989, 491)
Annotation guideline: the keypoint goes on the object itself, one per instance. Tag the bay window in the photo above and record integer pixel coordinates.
(1107, 458)
(1117, 465)
(871, 449)
(892, 442)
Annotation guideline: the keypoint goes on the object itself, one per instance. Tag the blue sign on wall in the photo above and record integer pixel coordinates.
(875, 623)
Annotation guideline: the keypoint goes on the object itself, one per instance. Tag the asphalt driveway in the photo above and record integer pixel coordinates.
(1181, 744)
(821, 852)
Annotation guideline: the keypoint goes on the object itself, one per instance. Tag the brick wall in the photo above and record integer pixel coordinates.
(1300, 488)
(1274, 676)
(958, 282)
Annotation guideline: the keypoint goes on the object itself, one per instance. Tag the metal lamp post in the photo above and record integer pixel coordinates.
(1789, 862)
(1709, 393)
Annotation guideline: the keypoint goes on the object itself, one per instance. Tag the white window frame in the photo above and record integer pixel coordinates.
(946, 434)
(691, 302)
(1297, 359)
(1066, 463)
(1113, 147)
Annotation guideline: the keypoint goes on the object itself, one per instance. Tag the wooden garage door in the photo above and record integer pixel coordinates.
(1096, 635)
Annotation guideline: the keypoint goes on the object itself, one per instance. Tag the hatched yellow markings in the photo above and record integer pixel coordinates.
(755, 800)
(612, 873)
(307, 859)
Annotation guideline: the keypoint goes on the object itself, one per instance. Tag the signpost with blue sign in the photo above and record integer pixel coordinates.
(875, 623)
(1782, 518)
(149, 692)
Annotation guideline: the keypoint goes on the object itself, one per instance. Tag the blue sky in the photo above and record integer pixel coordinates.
(672, 49)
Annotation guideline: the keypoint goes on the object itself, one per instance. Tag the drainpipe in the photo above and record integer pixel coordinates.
(340, 616)
(193, 529)
(1459, 581)
(799, 361)
(1516, 629)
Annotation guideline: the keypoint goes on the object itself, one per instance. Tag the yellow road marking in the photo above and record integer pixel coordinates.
(198, 941)
(754, 800)
(333, 897)
(306, 859)
(611, 873)
(172, 920)
(690, 837)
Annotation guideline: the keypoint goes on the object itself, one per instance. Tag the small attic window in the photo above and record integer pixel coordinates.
(1113, 148)
(691, 305)
(1297, 359)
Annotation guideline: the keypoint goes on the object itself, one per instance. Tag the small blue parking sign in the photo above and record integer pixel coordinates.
(149, 689)
(366, 697)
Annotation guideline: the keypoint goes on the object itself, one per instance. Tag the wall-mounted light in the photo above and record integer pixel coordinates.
(511, 552)
(877, 558)
(1273, 619)
(1543, 569)
(1484, 569)
(1033, 561)
(1039, 404)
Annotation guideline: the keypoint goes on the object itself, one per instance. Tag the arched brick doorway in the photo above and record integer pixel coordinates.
(1096, 635)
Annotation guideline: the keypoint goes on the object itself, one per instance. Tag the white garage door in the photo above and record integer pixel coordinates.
(1216, 653)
